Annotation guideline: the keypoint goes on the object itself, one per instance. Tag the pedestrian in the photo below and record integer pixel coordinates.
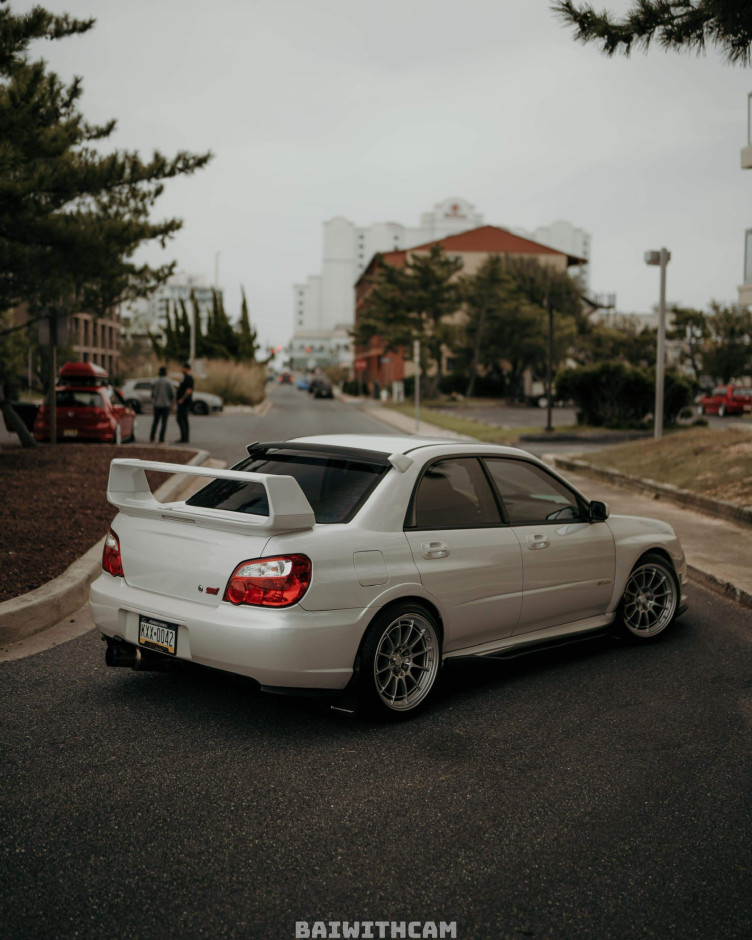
(162, 396)
(185, 396)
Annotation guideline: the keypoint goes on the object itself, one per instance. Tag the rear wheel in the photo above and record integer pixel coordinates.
(650, 600)
(399, 662)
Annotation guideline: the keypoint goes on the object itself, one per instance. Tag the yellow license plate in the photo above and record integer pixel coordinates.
(158, 635)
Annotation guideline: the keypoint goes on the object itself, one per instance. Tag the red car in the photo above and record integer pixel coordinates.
(726, 400)
(88, 408)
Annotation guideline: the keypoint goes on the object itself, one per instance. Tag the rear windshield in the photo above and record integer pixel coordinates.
(78, 398)
(336, 487)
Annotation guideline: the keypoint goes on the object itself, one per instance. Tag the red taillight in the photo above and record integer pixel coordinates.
(111, 560)
(269, 582)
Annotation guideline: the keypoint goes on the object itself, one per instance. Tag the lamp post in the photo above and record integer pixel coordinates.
(661, 259)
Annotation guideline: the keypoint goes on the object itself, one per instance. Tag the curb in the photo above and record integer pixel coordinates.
(705, 504)
(39, 609)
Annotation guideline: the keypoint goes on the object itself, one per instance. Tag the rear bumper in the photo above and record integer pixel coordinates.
(290, 648)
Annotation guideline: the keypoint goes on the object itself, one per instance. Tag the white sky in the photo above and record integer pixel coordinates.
(378, 110)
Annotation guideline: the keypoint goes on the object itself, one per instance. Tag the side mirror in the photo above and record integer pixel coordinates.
(598, 511)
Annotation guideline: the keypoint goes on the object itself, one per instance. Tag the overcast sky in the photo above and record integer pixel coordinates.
(377, 111)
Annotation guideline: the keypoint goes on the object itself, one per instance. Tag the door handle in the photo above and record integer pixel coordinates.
(434, 549)
(536, 542)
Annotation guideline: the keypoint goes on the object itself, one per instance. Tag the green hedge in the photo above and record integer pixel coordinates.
(617, 395)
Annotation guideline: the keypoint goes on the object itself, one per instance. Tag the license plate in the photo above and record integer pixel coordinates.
(158, 635)
(70, 432)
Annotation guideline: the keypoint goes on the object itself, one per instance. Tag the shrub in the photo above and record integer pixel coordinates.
(238, 383)
(616, 395)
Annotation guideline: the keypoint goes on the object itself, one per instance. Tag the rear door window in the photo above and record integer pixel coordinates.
(453, 494)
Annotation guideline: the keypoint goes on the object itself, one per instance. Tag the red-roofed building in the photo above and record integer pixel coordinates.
(472, 247)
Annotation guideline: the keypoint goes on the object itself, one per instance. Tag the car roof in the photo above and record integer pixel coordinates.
(404, 444)
(84, 370)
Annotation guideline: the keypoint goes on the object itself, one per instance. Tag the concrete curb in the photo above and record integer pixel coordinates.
(719, 586)
(31, 613)
(705, 504)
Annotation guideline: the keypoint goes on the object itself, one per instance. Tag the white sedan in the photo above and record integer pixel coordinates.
(364, 562)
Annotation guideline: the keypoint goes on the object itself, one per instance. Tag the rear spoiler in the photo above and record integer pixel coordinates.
(129, 490)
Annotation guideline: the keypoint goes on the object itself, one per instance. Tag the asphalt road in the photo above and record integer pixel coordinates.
(601, 791)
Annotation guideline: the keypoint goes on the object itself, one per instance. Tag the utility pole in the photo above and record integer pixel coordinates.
(416, 360)
(660, 258)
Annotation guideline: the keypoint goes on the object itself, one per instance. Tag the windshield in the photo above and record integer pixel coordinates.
(336, 487)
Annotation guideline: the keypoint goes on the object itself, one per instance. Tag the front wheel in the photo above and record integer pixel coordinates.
(650, 599)
(400, 661)
(200, 408)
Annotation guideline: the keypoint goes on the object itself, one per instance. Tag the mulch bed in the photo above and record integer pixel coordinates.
(53, 506)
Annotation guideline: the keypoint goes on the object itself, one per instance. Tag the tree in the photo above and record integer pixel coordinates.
(71, 217)
(727, 352)
(502, 325)
(675, 24)
(247, 344)
(414, 302)
(691, 330)
(554, 307)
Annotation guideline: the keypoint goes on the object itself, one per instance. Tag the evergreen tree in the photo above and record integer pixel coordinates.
(71, 217)
(674, 24)
(414, 302)
(246, 342)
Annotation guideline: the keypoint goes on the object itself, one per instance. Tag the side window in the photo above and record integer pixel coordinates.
(454, 494)
(531, 495)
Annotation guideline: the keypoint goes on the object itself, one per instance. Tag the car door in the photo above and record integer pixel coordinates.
(467, 557)
(568, 563)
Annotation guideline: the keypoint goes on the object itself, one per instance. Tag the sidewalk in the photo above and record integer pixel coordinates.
(719, 552)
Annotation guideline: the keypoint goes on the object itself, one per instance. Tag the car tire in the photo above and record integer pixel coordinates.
(399, 662)
(721, 411)
(650, 600)
(200, 408)
(135, 404)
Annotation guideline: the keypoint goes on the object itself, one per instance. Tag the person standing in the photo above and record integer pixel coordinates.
(162, 396)
(185, 396)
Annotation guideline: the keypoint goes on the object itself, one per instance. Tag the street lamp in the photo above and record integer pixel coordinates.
(660, 258)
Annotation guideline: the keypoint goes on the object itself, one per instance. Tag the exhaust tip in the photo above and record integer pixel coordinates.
(127, 656)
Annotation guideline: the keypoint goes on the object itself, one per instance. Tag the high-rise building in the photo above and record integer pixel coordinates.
(324, 305)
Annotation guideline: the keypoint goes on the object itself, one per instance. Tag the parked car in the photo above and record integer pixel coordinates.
(285, 378)
(726, 400)
(321, 387)
(137, 392)
(303, 384)
(88, 408)
(364, 562)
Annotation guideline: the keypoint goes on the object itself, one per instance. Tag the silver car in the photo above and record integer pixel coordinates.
(137, 394)
(363, 563)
